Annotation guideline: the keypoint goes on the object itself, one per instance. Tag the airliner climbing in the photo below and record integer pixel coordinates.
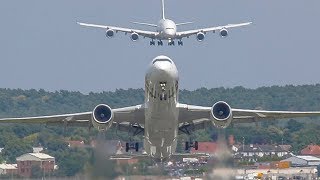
(161, 117)
(166, 29)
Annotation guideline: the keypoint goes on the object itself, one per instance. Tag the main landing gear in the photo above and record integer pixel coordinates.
(153, 43)
(190, 144)
(170, 43)
(132, 145)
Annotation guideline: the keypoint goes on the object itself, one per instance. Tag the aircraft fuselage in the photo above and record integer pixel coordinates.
(161, 115)
(167, 29)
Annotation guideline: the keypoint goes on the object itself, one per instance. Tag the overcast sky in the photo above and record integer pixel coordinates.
(41, 46)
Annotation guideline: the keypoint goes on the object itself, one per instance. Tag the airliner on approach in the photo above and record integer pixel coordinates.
(166, 29)
(161, 118)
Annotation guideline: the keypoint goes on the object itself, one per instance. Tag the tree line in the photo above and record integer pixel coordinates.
(17, 139)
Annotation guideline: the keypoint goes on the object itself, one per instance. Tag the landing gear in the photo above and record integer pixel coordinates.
(190, 144)
(152, 43)
(171, 43)
(132, 145)
(180, 43)
(160, 43)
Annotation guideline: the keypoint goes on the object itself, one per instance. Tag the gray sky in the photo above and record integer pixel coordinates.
(41, 46)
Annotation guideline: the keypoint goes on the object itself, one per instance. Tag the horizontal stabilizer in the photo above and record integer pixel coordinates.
(184, 23)
(145, 24)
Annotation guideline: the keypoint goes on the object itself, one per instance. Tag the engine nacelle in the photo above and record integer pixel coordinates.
(110, 33)
(200, 36)
(134, 36)
(221, 114)
(102, 117)
(224, 32)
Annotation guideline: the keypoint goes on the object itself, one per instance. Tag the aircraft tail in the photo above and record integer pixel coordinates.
(162, 8)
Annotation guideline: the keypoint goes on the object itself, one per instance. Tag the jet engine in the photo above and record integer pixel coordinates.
(200, 36)
(110, 33)
(221, 114)
(102, 117)
(223, 32)
(134, 36)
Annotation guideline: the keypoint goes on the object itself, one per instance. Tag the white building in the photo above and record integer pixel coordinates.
(8, 168)
(253, 151)
(303, 160)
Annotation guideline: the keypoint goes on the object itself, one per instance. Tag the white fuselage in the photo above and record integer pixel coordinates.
(167, 29)
(161, 114)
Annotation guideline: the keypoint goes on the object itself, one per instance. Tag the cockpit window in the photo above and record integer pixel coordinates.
(163, 60)
(169, 28)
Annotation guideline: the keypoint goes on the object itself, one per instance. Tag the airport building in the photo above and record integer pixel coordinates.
(254, 151)
(302, 161)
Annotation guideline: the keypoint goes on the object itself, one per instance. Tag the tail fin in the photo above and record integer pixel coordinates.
(162, 5)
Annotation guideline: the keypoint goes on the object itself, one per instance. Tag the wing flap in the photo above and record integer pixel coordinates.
(243, 115)
(213, 29)
(143, 33)
(189, 113)
(134, 116)
(64, 118)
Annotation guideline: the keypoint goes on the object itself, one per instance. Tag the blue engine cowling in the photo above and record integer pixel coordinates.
(221, 114)
(134, 36)
(200, 36)
(224, 32)
(110, 33)
(102, 117)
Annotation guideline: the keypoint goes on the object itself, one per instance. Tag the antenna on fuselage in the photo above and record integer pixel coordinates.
(162, 5)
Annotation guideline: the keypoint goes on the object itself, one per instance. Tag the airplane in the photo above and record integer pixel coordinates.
(161, 117)
(166, 29)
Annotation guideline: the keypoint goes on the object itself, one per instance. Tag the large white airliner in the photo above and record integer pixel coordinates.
(161, 118)
(166, 29)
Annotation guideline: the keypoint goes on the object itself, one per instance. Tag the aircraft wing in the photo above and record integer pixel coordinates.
(124, 118)
(188, 33)
(198, 117)
(149, 34)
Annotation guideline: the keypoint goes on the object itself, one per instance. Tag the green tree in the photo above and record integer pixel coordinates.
(15, 148)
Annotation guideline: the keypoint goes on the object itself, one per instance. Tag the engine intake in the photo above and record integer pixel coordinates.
(110, 33)
(200, 36)
(224, 32)
(102, 117)
(221, 114)
(134, 36)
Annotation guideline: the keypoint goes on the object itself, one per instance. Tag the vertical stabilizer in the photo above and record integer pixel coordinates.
(162, 5)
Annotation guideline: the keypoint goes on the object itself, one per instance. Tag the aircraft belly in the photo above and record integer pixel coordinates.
(161, 130)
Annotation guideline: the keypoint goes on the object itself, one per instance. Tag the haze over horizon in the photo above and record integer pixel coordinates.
(42, 47)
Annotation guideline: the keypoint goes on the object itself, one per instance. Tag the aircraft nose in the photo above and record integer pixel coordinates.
(162, 66)
(170, 32)
(162, 70)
